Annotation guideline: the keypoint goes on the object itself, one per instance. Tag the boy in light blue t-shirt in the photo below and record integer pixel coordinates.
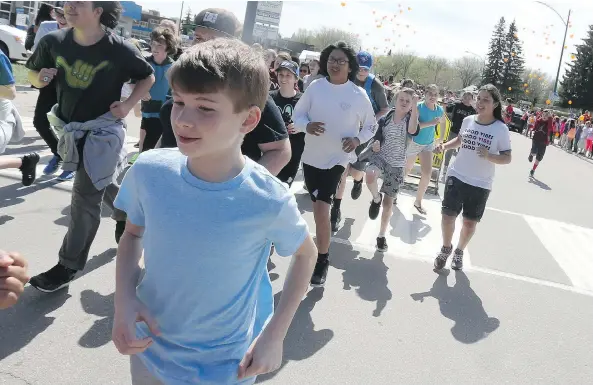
(206, 217)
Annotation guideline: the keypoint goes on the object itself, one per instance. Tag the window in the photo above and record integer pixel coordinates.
(5, 6)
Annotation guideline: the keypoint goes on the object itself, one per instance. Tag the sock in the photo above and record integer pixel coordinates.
(337, 203)
(535, 166)
(377, 199)
(321, 257)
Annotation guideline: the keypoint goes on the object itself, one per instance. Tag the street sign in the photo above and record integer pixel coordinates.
(265, 32)
(268, 12)
(553, 96)
(22, 19)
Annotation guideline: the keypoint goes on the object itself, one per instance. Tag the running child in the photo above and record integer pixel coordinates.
(388, 158)
(205, 225)
(541, 139)
(286, 98)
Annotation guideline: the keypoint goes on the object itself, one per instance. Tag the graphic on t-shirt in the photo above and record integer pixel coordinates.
(474, 138)
(81, 74)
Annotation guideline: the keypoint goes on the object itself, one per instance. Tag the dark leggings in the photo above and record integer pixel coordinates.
(154, 130)
(45, 101)
(297, 145)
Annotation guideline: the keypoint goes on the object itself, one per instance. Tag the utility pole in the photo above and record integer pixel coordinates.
(180, 19)
(249, 22)
(562, 51)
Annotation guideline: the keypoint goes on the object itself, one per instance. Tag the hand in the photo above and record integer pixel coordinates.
(46, 75)
(123, 332)
(482, 152)
(435, 121)
(376, 147)
(120, 109)
(263, 356)
(290, 128)
(439, 148)
(315, 128)
(13, 277)
(350, 144)
(415, 99)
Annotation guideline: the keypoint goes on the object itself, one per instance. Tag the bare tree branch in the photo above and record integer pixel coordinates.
(469, 69)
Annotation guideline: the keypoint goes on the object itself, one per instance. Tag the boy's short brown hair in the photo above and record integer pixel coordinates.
(223, 65)
(165, 36)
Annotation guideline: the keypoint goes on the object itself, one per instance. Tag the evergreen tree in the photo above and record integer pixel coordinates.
(492, 73)
(577, 83)
(513, 63)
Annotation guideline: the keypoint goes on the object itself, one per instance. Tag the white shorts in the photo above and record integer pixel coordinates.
(414, 148)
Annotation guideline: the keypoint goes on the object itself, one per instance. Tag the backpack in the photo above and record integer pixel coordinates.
(367, 87)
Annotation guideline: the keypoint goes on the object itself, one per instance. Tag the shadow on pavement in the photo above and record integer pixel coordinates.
(411, 232)
(462, 305)
(5, 218)
(12, 194)
(539, 184)
(102, 306)
(28, 318)
(304, 202)
(25, 149)
(65, 219)
(302, 340)
(98, 261)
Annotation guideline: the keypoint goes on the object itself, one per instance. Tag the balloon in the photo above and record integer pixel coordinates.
(565, 47)
(343, 4)
(570, 102)
(513, 54)
(505, 60)
(378, 25)
(510, 88)
(525, 85)
(409, 8)
(547, 57)
(526, 91)
(515, 35)
(548, 102)
(374, 12)
(573, 57)
(401, 11)
(571, 36)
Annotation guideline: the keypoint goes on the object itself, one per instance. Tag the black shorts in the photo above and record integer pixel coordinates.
(538, 149)
(322, 184)
(462, 196)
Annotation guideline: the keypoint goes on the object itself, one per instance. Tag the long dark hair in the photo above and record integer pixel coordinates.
(493, 91)
(112, 10)
(43, 14)
(348, 51)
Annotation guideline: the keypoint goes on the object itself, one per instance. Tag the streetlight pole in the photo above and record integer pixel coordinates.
(566, 24)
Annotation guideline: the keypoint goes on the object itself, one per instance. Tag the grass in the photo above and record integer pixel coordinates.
(20, 73)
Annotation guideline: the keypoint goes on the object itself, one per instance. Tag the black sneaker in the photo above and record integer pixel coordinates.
(320, 272)
(356, 190)
(382, 244)
(530, 158)
(120, 226)
(531, 173)
(335, 218)
(29, 168)
(457, 262)
(441, 259)
(375, 207)
(54, 279)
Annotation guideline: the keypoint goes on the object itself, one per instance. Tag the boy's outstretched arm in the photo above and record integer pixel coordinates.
(265, 354)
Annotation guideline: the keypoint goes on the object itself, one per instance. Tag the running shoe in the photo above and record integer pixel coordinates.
(320, 272)
(66, 176)
(54, 164)
(441, 259)
(457, 262)
(531, 173)
(56, 278)
(356, 190)
(29, 168)
(382, 244)
(335, 218)
(375, 207)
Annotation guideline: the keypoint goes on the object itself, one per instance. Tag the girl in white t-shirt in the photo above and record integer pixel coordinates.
(483, 142)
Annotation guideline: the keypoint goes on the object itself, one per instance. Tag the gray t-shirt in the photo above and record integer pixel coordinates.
(393, 148)
(377, 92)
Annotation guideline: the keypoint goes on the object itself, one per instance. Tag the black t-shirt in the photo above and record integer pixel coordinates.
(270, 129)
(89, 78)
(460, 112)
(286, 105)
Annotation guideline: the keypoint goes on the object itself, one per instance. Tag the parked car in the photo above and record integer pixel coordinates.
(12, 43)
(517, 124)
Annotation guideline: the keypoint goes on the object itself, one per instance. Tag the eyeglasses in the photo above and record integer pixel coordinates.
(341, 62)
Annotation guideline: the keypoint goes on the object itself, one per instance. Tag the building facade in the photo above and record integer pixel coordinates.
(148, 21)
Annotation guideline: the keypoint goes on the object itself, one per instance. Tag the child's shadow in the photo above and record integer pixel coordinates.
(409, 232)
(462, 305)
(302, 340)
(370, 275)
(100, 305)
(304, 202)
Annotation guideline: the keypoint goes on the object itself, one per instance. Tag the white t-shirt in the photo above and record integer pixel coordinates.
(468, 167)
(344, 108)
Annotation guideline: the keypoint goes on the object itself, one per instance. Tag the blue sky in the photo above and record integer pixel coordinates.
(437, 27)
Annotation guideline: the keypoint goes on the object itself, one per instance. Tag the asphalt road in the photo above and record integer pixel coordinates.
(520, 313)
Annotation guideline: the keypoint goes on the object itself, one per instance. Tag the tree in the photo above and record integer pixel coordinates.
(468, 69)
(513, 63)
(436, 65)
(577, 83)
(325, 36)
(407, 60)
(188, 19)
(539, 85)
(492, 73)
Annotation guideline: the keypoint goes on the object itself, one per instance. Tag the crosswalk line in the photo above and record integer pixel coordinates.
(570, 245)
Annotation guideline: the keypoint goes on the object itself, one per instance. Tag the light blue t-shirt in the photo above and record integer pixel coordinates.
(425, 114)
(6, 76)
(206, 247)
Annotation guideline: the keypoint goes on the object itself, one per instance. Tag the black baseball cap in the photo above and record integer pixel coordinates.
(218, 19)
(289, 65)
